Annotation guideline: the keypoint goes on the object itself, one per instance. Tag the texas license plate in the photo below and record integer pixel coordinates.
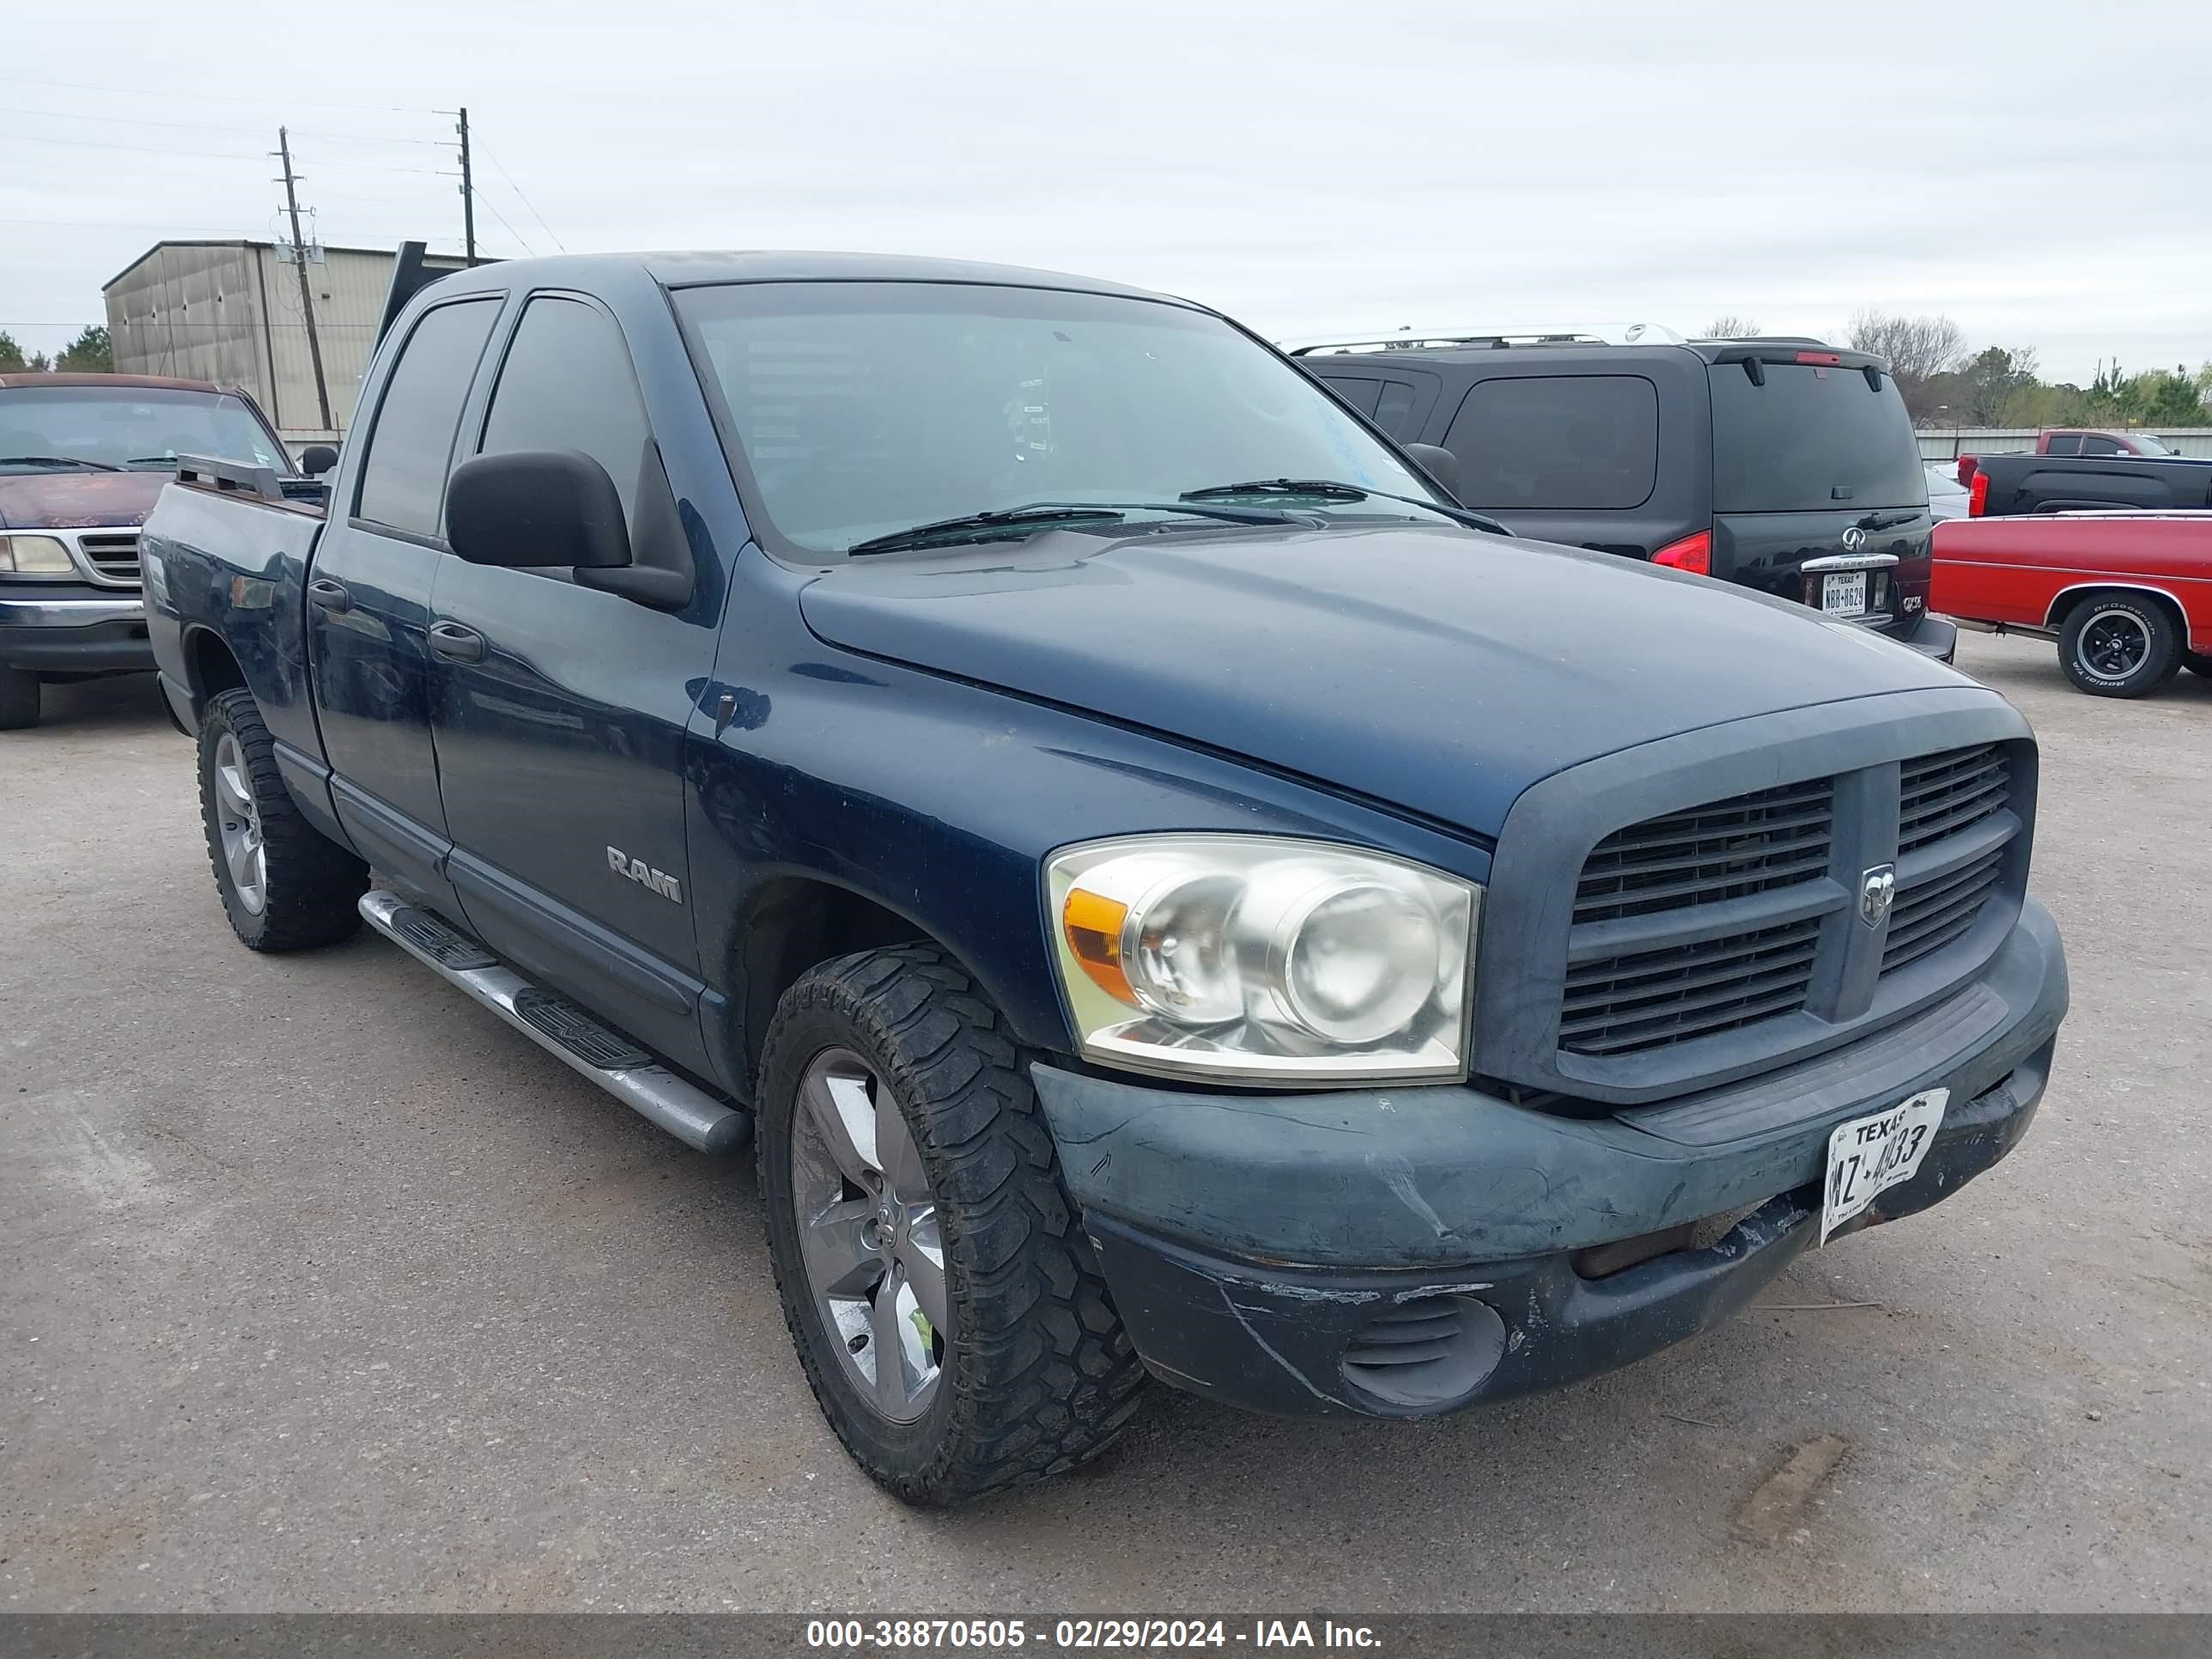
(1843, 594)
(1870, 1155)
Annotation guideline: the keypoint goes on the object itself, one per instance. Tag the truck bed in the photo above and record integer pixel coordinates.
(2058, 483)
(226, 552)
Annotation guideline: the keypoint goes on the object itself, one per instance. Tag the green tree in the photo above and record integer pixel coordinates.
(87, 354)
(11, 354)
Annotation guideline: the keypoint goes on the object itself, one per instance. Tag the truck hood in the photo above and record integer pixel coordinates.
(78, 500)
(1425, 668)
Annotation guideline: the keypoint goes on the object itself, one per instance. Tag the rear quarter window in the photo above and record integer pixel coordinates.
(1566, 441)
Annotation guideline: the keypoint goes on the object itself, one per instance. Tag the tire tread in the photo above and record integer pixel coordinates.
(1053, 1376)
(313, 882)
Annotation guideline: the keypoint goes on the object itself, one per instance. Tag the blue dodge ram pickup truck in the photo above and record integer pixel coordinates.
(1166, 891)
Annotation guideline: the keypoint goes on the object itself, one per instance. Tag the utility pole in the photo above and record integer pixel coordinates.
(307, 294)
(468, 195)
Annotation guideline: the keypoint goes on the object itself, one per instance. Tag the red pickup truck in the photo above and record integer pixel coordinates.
(2087, 440)
(2128, 596)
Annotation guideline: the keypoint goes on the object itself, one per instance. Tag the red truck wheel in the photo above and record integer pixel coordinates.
(2119, 645)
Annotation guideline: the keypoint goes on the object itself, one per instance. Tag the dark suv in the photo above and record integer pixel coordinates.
(1785, 466)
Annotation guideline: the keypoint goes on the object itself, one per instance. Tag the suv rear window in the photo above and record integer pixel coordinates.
(1811, 439)
(1558, 440)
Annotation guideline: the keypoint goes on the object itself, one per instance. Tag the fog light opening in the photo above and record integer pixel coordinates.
(1428, 1352)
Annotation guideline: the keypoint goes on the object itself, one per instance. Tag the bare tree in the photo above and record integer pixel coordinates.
(1917, 348)
(1731, 327)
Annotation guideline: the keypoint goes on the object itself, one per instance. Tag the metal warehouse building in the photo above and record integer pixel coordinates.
(230, 312)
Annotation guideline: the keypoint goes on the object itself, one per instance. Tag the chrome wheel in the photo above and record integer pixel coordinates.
(2114, 644)
(868, 1234)
(238, 820)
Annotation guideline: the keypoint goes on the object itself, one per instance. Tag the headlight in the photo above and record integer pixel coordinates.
(33, 555)
(1246, 958)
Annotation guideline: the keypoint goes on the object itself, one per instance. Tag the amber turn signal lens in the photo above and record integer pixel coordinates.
(1092, 923)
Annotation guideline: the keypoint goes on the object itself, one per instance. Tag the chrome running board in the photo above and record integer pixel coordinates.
(560, 1027)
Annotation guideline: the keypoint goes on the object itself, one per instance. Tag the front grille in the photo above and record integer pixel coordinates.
(1946, 793)
(1746, 844)
(1623, 1005)
(112, 555)
(1938, 913)
(1657, 965)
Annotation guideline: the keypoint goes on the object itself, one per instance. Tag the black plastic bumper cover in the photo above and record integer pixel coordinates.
(1248, 1240)
(112, 648)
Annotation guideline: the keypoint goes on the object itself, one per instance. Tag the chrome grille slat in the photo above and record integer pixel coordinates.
(110, 557)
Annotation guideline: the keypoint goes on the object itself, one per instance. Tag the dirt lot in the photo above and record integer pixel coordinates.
(322, 1290)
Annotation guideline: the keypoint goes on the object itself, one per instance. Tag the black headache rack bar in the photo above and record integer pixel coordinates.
(249, 478)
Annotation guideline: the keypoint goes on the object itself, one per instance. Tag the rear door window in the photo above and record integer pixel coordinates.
(1566, 441)
(1814, 438)
(2069, 445)
(403, 481)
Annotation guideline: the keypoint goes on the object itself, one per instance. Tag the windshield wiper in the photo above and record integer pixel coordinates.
(1326, 490)
(1330, 490)
(1045, 515)
(57, 460)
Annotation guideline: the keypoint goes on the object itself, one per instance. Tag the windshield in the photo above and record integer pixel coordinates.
(143, 427)
(864, 409)
(2147, 445)
(1812, 438)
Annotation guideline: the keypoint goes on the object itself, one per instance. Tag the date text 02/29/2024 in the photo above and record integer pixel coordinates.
(990, 1635)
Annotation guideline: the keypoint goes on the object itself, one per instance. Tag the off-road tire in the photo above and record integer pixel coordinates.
(313, 882)
(1038, 1373)
(19, 699)
(2198, 663)
(2160, 658)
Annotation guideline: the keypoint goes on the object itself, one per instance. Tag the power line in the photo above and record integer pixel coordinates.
(220, 97)
(214, 155)
(492, 208)
(520, 197)
(210, 127)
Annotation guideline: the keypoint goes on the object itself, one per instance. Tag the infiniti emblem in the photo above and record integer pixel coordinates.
(1854, 540)
(1877, 888)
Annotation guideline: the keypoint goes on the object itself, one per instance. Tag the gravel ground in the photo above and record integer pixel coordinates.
(323, 1289)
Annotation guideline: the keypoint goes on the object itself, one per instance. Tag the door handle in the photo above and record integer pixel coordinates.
(456, 643)
(328, 595)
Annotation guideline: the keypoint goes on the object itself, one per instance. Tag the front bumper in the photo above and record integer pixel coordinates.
(72, 633)
(1260, 1249)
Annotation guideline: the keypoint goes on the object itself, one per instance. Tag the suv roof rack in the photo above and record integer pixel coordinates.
(1409, 338)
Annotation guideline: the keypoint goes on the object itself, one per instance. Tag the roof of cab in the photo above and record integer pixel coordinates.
(681, 269)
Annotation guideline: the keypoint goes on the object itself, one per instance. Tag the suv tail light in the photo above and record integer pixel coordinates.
(1692, 553)
(1968, 465)
(1977, 495)
(1824, 359)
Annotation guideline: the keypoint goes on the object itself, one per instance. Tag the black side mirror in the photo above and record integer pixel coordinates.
(536, 507)
(317, 459)
(1442, 466)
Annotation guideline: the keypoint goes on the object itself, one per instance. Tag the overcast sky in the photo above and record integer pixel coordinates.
(2038, 172)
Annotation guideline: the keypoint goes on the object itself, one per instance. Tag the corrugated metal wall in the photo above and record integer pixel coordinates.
(231, 312)
(1943, 444)
(190, 310)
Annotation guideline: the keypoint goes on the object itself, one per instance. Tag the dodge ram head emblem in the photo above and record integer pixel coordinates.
(1854, 540)
(1877, 888)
